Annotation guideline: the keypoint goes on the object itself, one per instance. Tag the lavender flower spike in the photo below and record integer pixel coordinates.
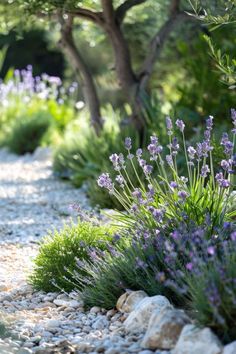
(169, 125)
(205, 170)
(128, 143)
(104, 181)
(180, 124)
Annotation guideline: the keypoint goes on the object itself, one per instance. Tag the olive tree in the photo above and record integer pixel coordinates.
(109, 16)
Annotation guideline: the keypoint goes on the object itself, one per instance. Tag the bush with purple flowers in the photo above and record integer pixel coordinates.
(156, 262)
(212, 290)
(167, 196)
(24, 96)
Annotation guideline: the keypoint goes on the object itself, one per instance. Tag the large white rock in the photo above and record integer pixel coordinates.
(138, 319)
(128, 301)
(164, 328)
(197, 341)
(230, 348)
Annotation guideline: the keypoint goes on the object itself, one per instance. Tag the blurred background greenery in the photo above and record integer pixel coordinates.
(190, 76)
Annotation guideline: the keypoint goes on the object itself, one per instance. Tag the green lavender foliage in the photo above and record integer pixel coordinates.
(60, 251)
(27, 133)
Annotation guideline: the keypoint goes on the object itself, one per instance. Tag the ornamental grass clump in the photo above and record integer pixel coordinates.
(61, 252)
(167, 198)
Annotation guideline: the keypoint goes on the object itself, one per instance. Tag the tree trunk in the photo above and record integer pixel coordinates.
(125, 74)
(88, 86)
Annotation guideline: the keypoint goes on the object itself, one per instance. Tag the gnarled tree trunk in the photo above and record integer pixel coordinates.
(86, 79)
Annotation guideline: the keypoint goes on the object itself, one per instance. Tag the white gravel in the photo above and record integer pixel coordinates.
(32, 201)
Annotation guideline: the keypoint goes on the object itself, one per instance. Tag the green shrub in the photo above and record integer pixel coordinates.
(83, 155)
(26, 134)
(61, 250)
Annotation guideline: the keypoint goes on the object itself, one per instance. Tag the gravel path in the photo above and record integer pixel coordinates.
(33, 201)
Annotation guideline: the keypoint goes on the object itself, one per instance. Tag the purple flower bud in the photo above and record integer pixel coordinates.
(139, 152)
(169, 125)
(104, 181)
(182, 195)
(142, 162)
(209, 123)
(137, 193)
(225, 165)
(128, 143)
(189, 266)
(154, 140)
(169, 160)
(120, 180)
(224, 183)
(180, 124)
(147, 169)
(174, 146)
(211, 250)
(205, 170)
(173, 184)
(191, 152)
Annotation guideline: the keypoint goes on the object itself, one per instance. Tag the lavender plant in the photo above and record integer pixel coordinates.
(23, 95)
(156, 262)
(167, 198)
(212, 290)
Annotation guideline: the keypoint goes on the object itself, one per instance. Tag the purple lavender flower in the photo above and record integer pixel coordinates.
(134, 208)
(128, 143)
(139, 153)
(211, 250)
(224, 183)
(205, 170)
(206, 147)
(142, 162)
(173, 184)
(189, 266)
(130, 156)
(182, 195)
(199, 151)
(191, 152)
(169, 160)
(151, 192)
(147, 169)
(209, 123)
(169, 126)
(120, 180)
(174, 146)
(158, 214)
(180, 124)
(225, 165)
(117, 161)
(228, 145)
(137, 193)
(104, 181)
(154, 140)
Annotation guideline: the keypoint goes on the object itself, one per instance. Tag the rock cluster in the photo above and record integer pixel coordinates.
(165, 328)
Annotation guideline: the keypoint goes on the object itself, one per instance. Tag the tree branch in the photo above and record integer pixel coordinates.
(96, 17)
(157, 42)
(124, 8)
